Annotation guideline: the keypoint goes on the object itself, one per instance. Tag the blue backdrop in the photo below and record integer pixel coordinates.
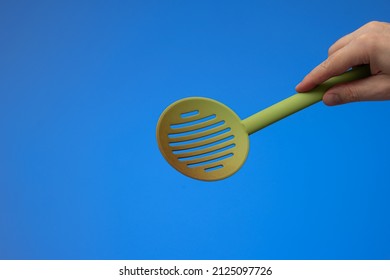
(82, 85)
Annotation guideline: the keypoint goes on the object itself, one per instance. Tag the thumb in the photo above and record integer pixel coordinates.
(376, 87)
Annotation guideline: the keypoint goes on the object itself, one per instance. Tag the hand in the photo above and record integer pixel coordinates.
(370, 44)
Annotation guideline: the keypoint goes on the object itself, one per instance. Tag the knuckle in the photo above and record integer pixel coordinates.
(325, 65)
(350, 95)
(364, 38)
(374, 24)
(322, 71)
(368, 41)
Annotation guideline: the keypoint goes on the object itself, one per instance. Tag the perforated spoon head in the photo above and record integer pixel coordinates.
(206, 140)
(202, 138)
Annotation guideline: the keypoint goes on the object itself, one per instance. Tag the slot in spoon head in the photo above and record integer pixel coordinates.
(202, 138)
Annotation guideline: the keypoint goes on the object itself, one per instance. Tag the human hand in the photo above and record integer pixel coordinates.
(370, 44)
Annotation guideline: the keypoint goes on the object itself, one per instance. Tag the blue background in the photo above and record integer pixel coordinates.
(82, 84)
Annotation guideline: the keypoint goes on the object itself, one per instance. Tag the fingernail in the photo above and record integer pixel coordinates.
(332, 99)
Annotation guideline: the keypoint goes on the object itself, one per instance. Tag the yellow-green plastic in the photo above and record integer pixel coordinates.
(300, 101)
(204, 139)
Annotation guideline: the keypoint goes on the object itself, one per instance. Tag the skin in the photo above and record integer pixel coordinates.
(370, 44)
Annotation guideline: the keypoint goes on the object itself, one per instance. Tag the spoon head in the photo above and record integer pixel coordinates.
(202, 138)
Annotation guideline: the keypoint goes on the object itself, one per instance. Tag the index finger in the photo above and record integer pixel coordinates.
(352, 54)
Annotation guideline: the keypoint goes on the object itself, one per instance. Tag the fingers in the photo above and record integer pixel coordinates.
(342, 42)
(351, 50)
(350, 55)
(372, 88)
(367, 45)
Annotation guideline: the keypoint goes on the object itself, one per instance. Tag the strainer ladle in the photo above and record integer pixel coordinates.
(206, 140)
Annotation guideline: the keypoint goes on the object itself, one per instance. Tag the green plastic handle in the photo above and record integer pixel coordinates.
(300, 101)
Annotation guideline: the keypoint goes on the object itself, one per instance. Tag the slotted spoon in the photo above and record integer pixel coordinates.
(206, 140)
